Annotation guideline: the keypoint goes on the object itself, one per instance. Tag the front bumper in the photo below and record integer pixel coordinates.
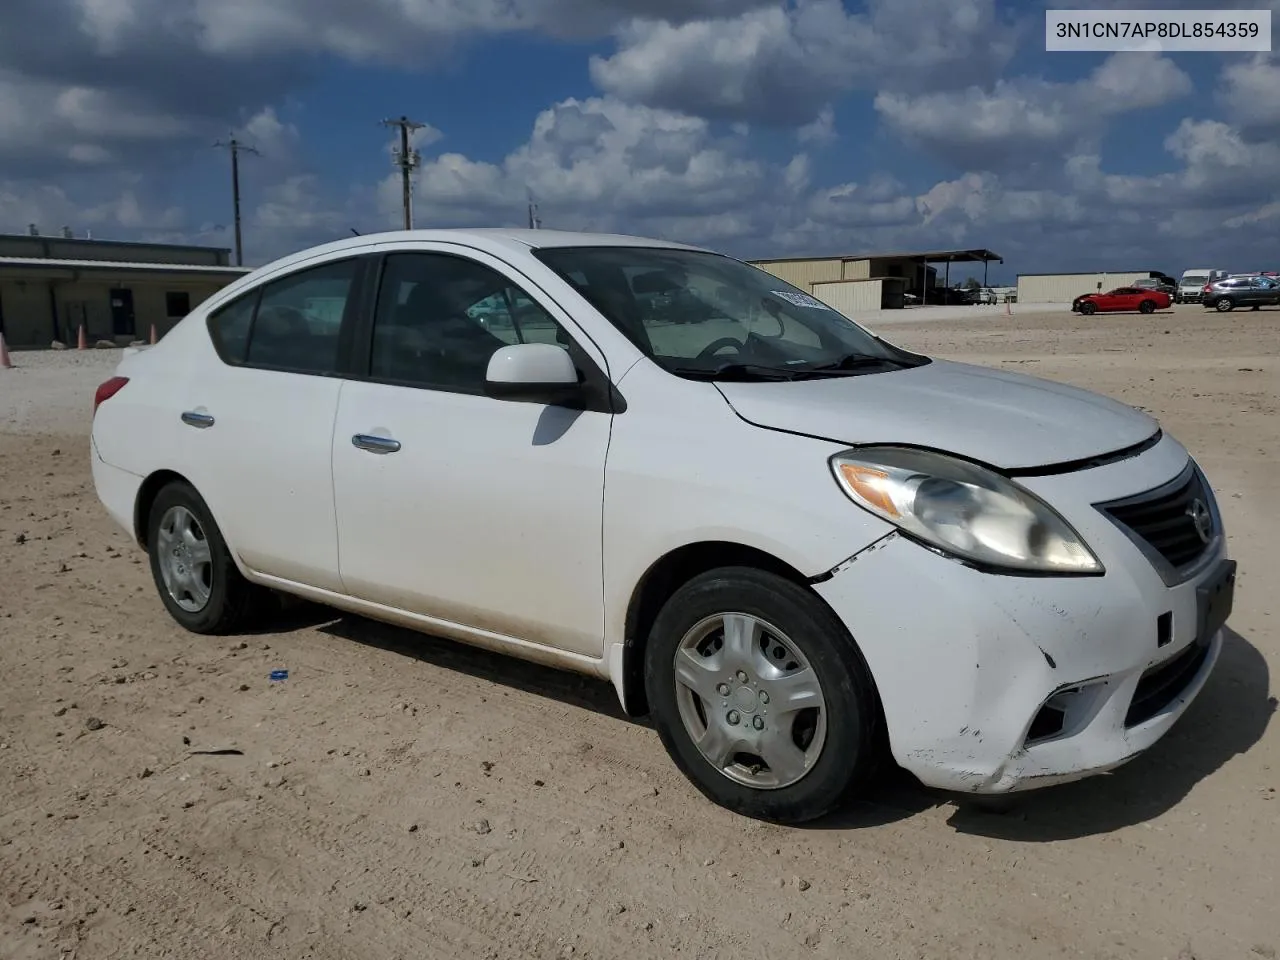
(993, 683)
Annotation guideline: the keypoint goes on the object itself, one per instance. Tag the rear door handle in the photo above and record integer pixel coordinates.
(375, 444)
(199, 420)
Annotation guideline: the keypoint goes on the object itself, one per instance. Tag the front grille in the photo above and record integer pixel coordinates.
(1165, 519)
(1160, 685)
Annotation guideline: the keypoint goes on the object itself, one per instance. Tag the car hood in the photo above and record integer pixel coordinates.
(1006, 420)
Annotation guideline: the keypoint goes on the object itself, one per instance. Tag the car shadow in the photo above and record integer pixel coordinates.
(561, 686)
(1229, 716)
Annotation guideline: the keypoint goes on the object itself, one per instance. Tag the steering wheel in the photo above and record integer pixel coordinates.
(717, 345)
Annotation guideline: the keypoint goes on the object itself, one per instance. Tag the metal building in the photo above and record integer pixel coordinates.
(50, 286)
(1065, 287)
(887, 276)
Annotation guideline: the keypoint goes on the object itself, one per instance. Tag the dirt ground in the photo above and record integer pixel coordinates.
(403, 797)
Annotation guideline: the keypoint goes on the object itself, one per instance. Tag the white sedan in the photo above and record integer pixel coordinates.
(798, 547)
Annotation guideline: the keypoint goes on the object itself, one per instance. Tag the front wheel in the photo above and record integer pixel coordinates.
(192, 567)
(761, 696)
(1147, 306)
(1088, 309)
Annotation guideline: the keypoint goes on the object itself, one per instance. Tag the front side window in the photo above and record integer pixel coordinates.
(706, 316)
(299, 319)
(441, 318)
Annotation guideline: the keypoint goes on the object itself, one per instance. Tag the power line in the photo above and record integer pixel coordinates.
(407, 160)
(236, 148)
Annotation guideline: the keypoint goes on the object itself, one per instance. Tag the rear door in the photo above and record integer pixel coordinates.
(454, 505)
(260, 411)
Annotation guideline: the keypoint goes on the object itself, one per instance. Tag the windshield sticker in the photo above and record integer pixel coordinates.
(800, 299)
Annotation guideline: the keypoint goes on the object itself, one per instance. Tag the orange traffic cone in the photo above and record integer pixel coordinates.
(153, 334)
(81, 343)
(5, 362)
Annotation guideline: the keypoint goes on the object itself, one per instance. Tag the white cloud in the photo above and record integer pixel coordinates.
(596, 161)
(79, 124)
(1027, 118)
(779, 62)
(821, 130)
(1250, 91)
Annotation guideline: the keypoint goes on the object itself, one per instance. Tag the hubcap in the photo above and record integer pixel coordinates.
(186, 563)
(750, 701)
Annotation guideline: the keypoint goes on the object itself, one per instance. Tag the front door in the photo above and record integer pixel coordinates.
(450, 504)
(122, 319)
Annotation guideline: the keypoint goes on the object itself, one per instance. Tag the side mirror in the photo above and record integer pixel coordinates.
(533, 372)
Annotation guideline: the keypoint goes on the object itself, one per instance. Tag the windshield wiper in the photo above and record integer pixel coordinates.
(739, 371)
(856, 361)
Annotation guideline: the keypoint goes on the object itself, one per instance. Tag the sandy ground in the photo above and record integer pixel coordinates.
(402, 797)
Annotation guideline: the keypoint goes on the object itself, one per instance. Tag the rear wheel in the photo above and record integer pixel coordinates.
(192, 567)
(1147, 306)
(761, 697)
(1225, 304)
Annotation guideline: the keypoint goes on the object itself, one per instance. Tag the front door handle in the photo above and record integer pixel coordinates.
(375, 444)
(201, 421)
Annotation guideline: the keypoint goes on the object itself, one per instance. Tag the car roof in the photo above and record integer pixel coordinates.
(495, 240)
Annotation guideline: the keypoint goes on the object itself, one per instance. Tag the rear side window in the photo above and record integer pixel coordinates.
(229, 328)
(299, 319)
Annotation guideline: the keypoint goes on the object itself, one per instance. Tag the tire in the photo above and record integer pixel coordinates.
(825, 754)
(1088, 309)
(1224, 305)
(1147, 306)
(213, 597)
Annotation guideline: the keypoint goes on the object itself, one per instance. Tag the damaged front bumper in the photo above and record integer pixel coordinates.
(994, 683)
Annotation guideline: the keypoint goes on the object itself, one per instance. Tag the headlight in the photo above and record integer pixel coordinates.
(963, 509)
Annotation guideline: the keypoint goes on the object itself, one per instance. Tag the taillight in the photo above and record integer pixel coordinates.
(107, 391)
(1206, 288)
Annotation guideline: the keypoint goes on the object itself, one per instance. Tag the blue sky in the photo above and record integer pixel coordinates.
(759, 127)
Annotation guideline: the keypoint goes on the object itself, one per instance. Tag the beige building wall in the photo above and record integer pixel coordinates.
(803, 273)
(1065, 287)
(851, 297)
(856, 270)
(27, 307)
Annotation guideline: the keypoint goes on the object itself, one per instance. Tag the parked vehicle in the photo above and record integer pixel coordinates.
(1165, 285)
(797, 546)
(1191, 286)
(1247, 291)
(1142, 299)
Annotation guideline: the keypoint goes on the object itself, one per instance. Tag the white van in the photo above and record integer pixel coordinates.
(1191, 284)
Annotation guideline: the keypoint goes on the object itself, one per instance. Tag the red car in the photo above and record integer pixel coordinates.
(1142, 299)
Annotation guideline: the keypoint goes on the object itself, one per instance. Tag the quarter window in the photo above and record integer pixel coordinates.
(229, 328)
(441, 318)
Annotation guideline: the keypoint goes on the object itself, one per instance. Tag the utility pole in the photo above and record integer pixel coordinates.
(535, 221)
(235, 146)
(407, 160)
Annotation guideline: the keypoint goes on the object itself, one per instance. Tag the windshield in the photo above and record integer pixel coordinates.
(1195, 280)
(708, 316)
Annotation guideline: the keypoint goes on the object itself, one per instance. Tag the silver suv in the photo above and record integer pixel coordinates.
(1232, 292)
